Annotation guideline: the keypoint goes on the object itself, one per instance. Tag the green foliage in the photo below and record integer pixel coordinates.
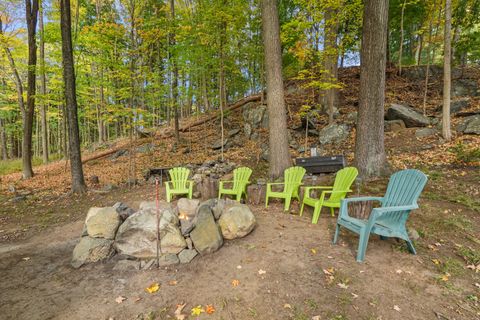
(465, 154)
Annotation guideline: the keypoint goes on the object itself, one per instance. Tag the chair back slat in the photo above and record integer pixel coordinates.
(240, 177)
(343, 181)
(178, 177)
(293, 178)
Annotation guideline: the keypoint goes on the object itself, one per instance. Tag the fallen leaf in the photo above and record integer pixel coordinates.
(178, 312)
(445, 277)
(120, 299)
(287, 306)
(261, 271)
(209, 309)
(474, 267)
(355, 296)
(26, 258)
(198, 310)
(438, 244)
(398, 271)
(239, 267)
(313, 251)
(329, 271)
(432, 247)
(172, 283)
(235, 282)
(316, 318)
(396, 308)
(153, 288)
(137, 299)
(436, 261)
(342, 285)
(477, 285)
(329, 257)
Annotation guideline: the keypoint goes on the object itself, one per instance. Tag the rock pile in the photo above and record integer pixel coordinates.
(186, 230)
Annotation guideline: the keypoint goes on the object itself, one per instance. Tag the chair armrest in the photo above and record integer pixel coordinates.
(317, 187)
(343, 213)
(378, 212)
(270, 183)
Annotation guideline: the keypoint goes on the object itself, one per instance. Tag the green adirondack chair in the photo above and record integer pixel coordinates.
(179, 183)
(292, 181)
(337, 192)
(389, 220)
(239, 183)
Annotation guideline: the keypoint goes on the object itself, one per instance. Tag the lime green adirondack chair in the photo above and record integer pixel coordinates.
(240, 182)
(343, 181)
(389, 220)
(179, 183)
(292, 181)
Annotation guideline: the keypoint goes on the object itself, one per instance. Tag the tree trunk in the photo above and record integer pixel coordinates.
(3, 141)
(447, 75)
(175, 74)
(31, 18)
(400, 51)
(43, 88)
(78, 181)
(331, 60)
(278, 140)
(369, 147)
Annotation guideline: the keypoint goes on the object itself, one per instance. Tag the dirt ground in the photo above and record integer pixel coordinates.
(305, 275)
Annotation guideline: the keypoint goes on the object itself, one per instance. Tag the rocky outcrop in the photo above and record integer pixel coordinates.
(103, 222)
(410, 116)
(470, 125)
(334, 133)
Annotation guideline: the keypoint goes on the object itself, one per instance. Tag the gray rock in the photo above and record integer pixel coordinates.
(102, 222)
(413, 234)
(168, 259)
(410, 116)
(127, 265)
(149, 264)
(123, 210)
(187, 255)
(425, 132)
(334, 133)
(233, 132)
(237, 222)
(189, 243)
(206, 236)
(216, 205)
(470, 125)
(456, 105)
(255, 136)
(394, 125)
(266, 154)
(465, 87)
(218, 144)
(187, 207)
(352, 116)
(109, 187)
(137, 236)
(145, 148)
(91, 250)
(119, 153)
(186, 225)
(247, 128)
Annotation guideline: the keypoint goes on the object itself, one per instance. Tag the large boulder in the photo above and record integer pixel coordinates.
(102, 222)
(425, 132)
(334, 133)
(394, 125)
(187, 207)
(470, 125)
(206, 236)
(456, 105)
(237, 221)
(91, 250)
(410, 116)
(137, 236)
(187, 255)
(465, 87)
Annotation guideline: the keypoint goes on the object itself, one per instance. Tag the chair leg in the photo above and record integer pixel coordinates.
(219, 195)
(287, 203)
(383, 238)
(266, 201)
(362, 245)
(332, 211)
(410, 246)
(239, 196)
(337, 231)
(316, 213)
(301, 209)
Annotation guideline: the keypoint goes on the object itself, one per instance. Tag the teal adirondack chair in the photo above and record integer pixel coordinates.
(179, 183)
(239, 183)
(343, 180)
(292, 181)
(389, 220)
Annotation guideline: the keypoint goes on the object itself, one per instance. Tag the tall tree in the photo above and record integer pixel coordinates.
(173, 57)
(447, 74)
(369, 147)
(277, 114)
(78, 181)
(43, 87)
(31, 8)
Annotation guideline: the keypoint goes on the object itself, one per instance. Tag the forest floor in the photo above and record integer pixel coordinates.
(302, 275)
